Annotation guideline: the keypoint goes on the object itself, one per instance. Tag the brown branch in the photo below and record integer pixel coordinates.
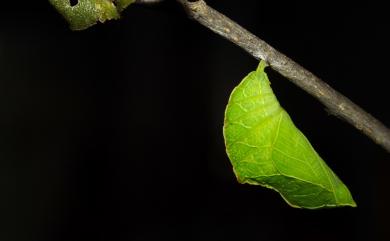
(338, 104)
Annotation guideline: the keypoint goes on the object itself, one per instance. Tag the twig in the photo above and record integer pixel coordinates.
(337, 104)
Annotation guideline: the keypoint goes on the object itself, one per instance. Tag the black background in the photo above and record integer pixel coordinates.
(115, 133)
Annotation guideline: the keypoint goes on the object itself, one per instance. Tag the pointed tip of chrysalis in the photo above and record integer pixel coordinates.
(261, 66)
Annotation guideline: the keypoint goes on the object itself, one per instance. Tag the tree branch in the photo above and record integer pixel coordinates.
(338, 104)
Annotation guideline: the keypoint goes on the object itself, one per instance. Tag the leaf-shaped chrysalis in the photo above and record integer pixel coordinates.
(265, 148)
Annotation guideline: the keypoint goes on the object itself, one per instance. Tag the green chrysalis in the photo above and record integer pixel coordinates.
(265, 148)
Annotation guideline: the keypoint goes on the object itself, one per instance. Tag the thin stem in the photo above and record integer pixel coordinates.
(337, 104)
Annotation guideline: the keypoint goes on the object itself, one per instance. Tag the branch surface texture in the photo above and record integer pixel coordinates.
(337, 104)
